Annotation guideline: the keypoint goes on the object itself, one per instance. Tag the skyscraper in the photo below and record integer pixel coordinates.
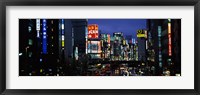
(79, 30)
(141, 38)
(165, 35)
(118, 37)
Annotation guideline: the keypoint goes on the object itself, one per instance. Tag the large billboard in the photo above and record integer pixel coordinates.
(94, 47)
(93, 31)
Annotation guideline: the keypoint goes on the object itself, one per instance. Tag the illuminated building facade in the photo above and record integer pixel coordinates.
(105, 45)
(117, 45)
(135, 50)
(93, 42)
(130, 47)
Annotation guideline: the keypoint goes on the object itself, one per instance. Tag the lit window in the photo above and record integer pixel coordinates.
(40, 70)
(30, 54)
(30, 42)
(29, 29)
(41, 59)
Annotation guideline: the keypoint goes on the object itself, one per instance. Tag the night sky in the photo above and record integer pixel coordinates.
(126, 26)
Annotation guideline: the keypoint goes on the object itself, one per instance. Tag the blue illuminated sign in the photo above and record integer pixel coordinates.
(44, 41)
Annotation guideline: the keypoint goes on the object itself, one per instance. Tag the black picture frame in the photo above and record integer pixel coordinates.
(4, 3)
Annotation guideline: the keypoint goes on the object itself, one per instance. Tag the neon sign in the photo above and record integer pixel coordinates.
(169, 37)
(62, 30)
(93, 31)
(44, 41)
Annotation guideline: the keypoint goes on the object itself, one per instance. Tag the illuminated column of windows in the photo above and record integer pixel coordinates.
(44, 41)
(63, 37)
(169, 37)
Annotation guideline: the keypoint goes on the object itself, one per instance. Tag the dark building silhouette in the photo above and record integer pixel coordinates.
(38, 46)
(167, 56)
(27, 45)
(79, 29)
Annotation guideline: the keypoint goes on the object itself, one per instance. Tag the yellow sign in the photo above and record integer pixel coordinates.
(141, 33)
(63, 43)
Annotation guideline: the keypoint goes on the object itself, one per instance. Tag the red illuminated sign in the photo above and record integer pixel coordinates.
(93, 31)
(169, 37)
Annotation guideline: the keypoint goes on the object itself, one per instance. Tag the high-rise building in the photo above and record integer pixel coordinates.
(48, 38)
(141, 39)
(39, 46)
(130, 42)
(79, 31)
(165, 35)
(27, 45)
(117, 49)
(176, 45)
(105, 45)
(52, 46)
(72, 38)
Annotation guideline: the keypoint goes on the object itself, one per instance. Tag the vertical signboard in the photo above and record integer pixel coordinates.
(62, 32)
(44, 38)
(93, 31)
(38, 27)
(169, 37)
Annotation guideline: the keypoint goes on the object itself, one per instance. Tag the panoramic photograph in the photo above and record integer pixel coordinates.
(99, 47)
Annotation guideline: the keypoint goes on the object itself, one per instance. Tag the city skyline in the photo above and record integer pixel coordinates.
(99, 47)
(127, 26)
